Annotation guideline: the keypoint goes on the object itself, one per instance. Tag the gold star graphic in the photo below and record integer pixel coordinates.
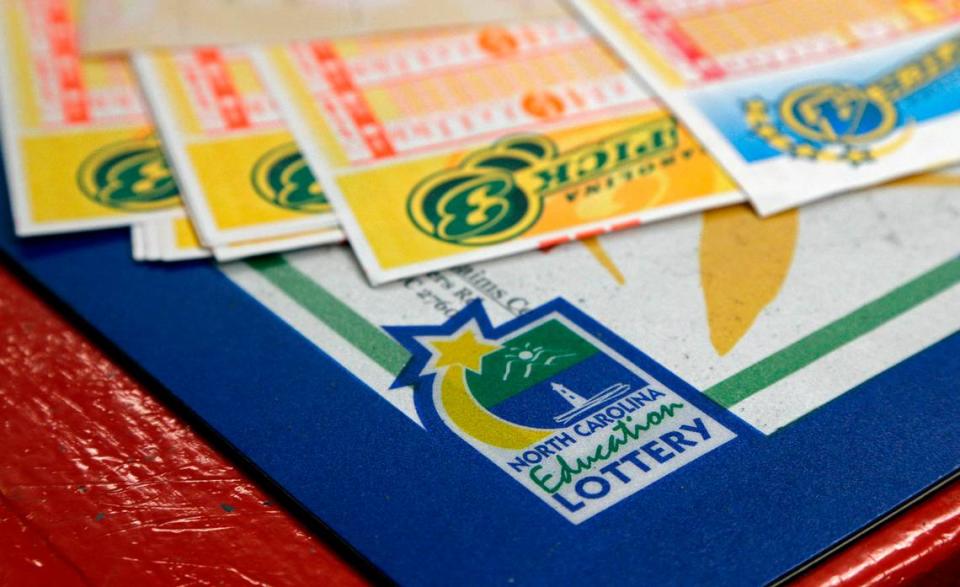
(463, 349)
(858, 156)
(805, 151)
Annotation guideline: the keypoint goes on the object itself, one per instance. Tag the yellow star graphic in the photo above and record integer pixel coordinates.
(858, 156)
(805, 151)
(464, 350)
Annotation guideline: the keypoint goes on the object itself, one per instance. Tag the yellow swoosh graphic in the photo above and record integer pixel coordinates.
(744, 260)
(470, 417)
(600, 254)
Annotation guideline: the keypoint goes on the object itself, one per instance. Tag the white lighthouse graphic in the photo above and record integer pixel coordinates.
(579, 405)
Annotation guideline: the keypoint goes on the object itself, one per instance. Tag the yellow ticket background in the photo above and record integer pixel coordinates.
(184, 236)
(79, 147)
(471, 168)
(242, 175)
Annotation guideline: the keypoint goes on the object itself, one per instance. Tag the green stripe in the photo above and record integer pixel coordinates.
(367, 338)
(765, 373)
(386, 352)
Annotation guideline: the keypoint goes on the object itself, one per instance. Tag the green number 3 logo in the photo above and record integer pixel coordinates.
(129, 175)
(479, 202)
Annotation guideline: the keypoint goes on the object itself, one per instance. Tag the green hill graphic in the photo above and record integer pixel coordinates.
(527, 359)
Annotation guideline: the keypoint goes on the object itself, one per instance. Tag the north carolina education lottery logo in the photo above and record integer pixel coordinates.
(497, 193)
(130, 175)
(848, 122)
(283, 178)
(566, 415)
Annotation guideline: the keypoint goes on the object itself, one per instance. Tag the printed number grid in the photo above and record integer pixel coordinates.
(712, 40)
(461, 88)
(225, 92)
(71, 91)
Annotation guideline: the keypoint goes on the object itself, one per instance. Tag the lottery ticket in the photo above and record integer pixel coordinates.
(291, 242)
(137, 245)
(800, 99)
(174, 239)
(446, 148)
(240, 172)
(79, 148)
(121, 25)
(167, 239)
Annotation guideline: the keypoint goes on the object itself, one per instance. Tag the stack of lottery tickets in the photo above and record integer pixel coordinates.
(442, 147)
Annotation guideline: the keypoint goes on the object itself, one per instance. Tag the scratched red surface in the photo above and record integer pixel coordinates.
(100, 484)
(920, 546)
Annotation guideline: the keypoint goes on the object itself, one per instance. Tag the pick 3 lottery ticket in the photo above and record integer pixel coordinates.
(800, 99)
(83, 119)
(241, 173)
(446, 148)
(173, 238)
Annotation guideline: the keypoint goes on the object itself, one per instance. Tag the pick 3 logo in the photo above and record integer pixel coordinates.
(845, 121)
(282, 177)
(130, 175)
(553, 404)
(497, 193)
